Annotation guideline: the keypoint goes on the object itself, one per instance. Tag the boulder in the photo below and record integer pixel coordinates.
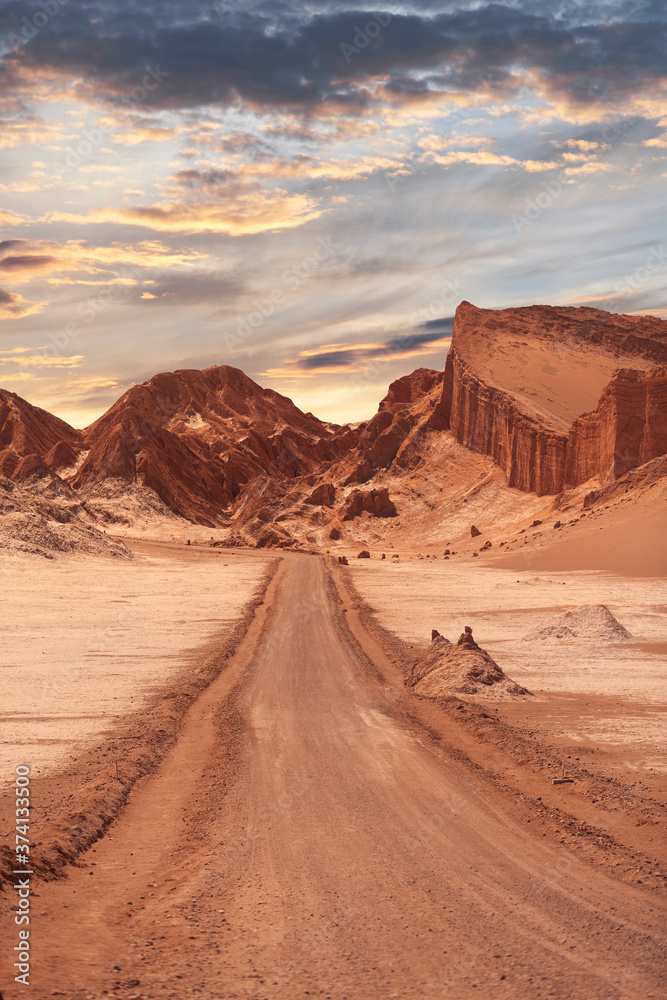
(342, 561)
(475, 531)
(364, 554)
(323, 495)
(334, 534)
(378, 503)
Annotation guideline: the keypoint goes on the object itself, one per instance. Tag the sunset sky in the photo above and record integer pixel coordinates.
(306, 191)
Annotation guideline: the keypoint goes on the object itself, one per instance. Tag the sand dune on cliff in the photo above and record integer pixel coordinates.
(556, 361)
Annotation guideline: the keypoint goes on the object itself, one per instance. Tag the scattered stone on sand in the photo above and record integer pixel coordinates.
(590, 623)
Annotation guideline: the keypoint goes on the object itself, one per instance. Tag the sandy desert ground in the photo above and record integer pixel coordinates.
(92, 640)
(316, 829)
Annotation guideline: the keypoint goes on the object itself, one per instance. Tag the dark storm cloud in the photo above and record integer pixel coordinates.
(439, 326)
(26, 262)
(351, 357)
(279, 55)
(6, 245)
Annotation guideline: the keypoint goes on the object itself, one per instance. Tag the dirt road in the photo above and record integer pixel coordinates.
(303, 840)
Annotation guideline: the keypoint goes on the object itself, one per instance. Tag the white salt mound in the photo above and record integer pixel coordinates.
(590, 623)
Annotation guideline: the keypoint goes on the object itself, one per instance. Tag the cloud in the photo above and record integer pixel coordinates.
(18, 377)
(11, 219)
(13, 306)
(93, 383)
(44, 361)
(45, 256)
(659, 141)
(25, 266)
(249, 212)
(339, 358)
(283, 56)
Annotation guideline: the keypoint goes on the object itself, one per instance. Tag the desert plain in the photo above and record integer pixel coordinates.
(262, 762)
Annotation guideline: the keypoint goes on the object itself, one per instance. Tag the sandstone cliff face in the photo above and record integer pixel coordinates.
(627, 428)
(488, 420)
(546, 441)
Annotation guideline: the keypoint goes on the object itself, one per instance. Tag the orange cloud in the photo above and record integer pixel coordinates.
(247, 213)
(29, 260)
(13, 306)
(12, 219)
(45, 361)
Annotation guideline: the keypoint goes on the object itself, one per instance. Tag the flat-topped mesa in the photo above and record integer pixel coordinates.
(539, 391)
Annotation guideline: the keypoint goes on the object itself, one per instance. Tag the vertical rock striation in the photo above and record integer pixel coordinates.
(490, 406)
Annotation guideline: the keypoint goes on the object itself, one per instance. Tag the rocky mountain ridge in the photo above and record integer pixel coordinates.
(550, 398)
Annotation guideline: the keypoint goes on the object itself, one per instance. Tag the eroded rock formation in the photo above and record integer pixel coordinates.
(555, 397)
(378, 503)
(464, 668)
(33, 440)
(541, 391)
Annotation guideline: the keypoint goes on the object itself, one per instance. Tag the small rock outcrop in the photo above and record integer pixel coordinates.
(378, 503)
(322, 496)
(446, 669)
